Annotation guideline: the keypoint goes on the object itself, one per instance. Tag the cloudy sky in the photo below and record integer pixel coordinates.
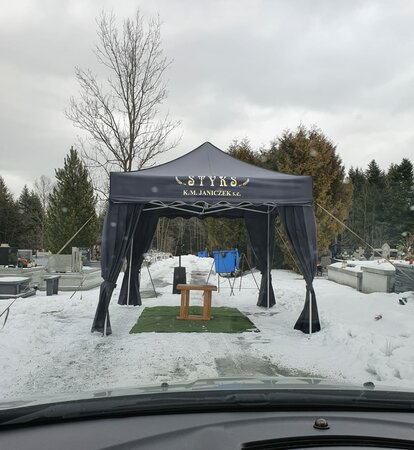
(240, 69)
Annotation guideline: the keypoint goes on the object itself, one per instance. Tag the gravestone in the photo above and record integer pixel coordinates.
(325, 261)
(359, 254)
(369, 255)
(8, 255)
(59, 263)
(385, 251)
(404, 278)
(76, 260)
(85, 254)
(42, 258)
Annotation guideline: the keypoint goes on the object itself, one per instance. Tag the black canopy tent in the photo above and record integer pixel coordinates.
(207, 182)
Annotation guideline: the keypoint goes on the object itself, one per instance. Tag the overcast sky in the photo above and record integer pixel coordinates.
(241, 69)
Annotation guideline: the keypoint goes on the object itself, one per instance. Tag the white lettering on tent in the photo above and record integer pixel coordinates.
(213, 181)
(201, 178)
(210, 193)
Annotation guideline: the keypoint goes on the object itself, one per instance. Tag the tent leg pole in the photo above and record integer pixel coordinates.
(129, 274)
(268, 258)
(105, 324)
(242, 267)
(310, 315)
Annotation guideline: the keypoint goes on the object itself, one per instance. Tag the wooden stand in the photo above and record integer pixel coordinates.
(185, 301)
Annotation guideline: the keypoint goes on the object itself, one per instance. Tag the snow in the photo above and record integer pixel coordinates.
(356, 266)
(13, 279)
(46, 345)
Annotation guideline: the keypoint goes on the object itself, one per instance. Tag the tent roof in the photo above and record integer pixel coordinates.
(209, 175)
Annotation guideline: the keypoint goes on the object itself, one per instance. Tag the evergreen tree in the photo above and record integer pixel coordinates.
(374, 175)
(375, 204)
(242, 150)
(71, 204)
(399, 198)
(8, 216)
(381, 207)
(227, 234)
(310, 152)
(30, 220)
(358, 216)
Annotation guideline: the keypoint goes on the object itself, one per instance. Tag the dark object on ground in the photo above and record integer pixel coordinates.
(52, 284)
(8, 256)
(404, 278)
(180, 277)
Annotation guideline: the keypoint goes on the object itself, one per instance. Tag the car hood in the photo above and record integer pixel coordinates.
(268, 384)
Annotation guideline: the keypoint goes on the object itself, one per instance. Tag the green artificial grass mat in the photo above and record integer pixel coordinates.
(162, 319)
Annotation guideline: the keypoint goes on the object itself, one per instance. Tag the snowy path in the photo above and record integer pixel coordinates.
(47, 346)
(240, 360)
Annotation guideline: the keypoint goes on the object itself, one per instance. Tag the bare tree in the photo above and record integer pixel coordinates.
(43, 187)
(122, 118)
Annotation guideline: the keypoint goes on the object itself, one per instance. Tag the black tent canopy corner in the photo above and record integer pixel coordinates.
(207, 182)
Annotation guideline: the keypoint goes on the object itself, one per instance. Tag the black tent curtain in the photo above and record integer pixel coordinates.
(140, 244)
(261, 232)
(118, 229)
(128, 231)
(299, 225)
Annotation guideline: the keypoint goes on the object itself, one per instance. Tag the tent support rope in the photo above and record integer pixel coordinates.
(287, 248)
(73, 237)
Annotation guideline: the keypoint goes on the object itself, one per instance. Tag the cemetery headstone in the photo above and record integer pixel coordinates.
(85, 254)
(385, 251)
(76, 260)
(41, 258)
(359, 254)
(8, 255)
(59, 263)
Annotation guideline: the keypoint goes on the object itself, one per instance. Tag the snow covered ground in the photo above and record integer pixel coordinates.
(46, 345)
(383, 264)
